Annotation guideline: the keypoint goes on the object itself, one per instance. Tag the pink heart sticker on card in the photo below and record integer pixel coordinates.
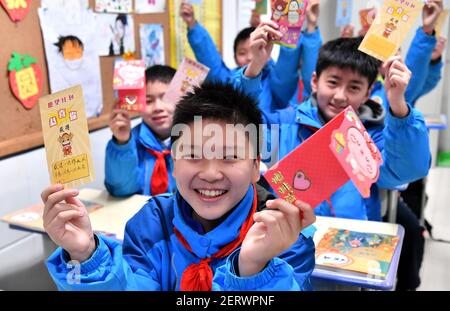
(301, 182)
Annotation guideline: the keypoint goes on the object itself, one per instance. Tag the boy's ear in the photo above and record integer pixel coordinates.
(314, 82)
(256, 170)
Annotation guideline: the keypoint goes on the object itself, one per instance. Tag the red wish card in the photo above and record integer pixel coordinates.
(129, 81)
(289, 15)
(340, 151)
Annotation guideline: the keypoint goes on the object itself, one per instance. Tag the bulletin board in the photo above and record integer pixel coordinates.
(20, 129)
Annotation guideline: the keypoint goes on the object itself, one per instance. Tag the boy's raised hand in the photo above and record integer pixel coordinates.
(187, 14)
(261, 47)
(120, 125)
(397, 76)
(430, 14)
(312, 16)
(275, 230)
(440, 46)
(67, 222)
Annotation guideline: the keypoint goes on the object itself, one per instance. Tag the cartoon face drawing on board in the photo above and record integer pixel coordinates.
(293, 13)
(397, 14)
(66, 141)
(279, 9)
(361, 154)
(71, 49)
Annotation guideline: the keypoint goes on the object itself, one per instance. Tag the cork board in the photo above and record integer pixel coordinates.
(20, 129)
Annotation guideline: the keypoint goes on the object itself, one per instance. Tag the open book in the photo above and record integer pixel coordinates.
(357, 252)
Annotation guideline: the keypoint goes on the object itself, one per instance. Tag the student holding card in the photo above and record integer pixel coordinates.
(220, 231)
(138, 160)
(207, 54)
(344, 77)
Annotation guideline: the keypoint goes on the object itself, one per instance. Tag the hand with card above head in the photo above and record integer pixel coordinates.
(430, 15)
(67, 222)
(397, 76)
(440, 46)
(120, 124)
(187, 14)
(312, 16)
(275, 229)
(261, 46)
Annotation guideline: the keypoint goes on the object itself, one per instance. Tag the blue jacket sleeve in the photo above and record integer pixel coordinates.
(206, 53)
(123, 176)
(310, 53)
(250, 86)
(404, 146)
(105, 270)
(278, 275)
(433, 78)
(285, 75)
(418, 61)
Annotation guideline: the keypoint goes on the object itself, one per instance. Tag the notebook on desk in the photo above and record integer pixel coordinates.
(359, 253)
(108, 214)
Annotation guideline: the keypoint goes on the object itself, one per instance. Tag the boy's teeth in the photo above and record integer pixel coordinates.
(211, 193)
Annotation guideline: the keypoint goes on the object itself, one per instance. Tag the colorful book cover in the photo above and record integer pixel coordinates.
(289, 14)
(360, 252)
(189, 74)
(390, 27)
(261, 7)
(129, 82)
(440, 23)
(344, 12)
(346, 151)
(66, 137)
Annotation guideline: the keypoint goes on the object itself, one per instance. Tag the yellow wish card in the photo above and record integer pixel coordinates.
(440, 23)
(66, 137)
(390, 27)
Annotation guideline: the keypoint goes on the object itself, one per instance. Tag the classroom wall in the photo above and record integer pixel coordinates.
(23, 177)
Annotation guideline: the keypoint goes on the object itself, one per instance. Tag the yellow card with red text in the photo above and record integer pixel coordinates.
(66, 137)
(390, 27)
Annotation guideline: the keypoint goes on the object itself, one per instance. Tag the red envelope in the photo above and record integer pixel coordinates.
(129, 82)
(340, 151)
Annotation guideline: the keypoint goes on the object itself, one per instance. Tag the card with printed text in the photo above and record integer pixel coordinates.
(66, 137)
(390, 27)
(189, 74)
(289, 15)
(129, 82)
(340, 151)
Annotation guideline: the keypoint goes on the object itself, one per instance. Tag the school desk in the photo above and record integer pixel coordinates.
(110, 219)
(339, 279)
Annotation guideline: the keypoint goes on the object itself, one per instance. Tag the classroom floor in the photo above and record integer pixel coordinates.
(435, 274)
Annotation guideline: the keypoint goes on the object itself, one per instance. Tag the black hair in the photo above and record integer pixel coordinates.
(344, 53)
(243, 35)
(64, 39)
(220, 102)
(123, 18)
(161, 73)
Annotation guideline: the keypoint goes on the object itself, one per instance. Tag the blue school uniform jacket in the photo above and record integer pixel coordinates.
(273, 75)
(129, 167)
(403, 144)
(152, 257)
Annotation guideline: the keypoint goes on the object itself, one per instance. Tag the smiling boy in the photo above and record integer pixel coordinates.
(220, 230)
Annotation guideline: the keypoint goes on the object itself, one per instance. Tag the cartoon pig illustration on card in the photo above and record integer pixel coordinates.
(360, 155)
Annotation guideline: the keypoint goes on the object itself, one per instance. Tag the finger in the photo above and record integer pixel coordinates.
(49, 190)
(260, 43)
(397, 81)
(292, 212)
(307, 213)
(62, 218)
(282, 219)
(271, 223)
(268, 30)
(59, 208)
(58, 197)
(269, 23)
